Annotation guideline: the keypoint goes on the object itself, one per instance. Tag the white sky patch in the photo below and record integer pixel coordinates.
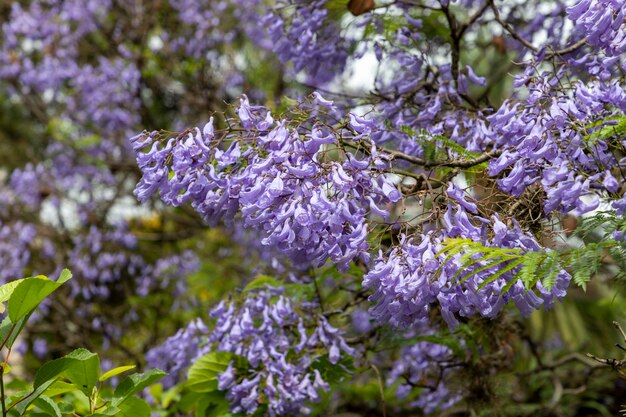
(362, 73)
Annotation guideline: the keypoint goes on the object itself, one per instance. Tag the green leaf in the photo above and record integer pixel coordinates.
(220, 410)
(134, 407)
(262, 281)
(202, 375)
(453, 246)
(9, 332)
(65, 276)
(500, 272)
(58, 388)
(79, 362)
(84, 372)
(135, 383)
(65, 407)
(25, 402)
(109, 410)
(213, 404)
(465, 266)
(116, 371)
(7, 289)
(333, 373)
(615, 128)
(30, 292)
(189, 400)
(171, 395)
(48, 406)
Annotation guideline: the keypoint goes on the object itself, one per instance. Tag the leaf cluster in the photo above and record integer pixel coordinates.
(76, 375)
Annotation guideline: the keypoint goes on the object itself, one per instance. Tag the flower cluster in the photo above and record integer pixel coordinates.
(15, 248)
(416, 274)
(303, 33)
(281, 179)
(204, 30)
(547, 140)
(425, 366)
(602, 23)
(278, 342)
(102, 260)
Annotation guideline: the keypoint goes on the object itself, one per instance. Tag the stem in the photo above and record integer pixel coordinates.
(20, 400)
(4, 408)
(4, 342)
(381, 389)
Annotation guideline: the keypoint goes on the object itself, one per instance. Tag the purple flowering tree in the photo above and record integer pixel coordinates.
(78, 78)
(436, 200)
(411, 224)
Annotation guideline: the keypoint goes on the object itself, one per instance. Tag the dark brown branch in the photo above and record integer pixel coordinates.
(569, 49)
(509, 28)
(453, 163)
(473, 19)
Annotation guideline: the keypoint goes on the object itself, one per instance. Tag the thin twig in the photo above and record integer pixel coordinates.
(382, 391)
(4, 407)
(510, 29)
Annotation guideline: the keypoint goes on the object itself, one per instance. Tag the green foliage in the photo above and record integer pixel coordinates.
(261, 281)
(599, 229)
(198, 397)
(471, 253)
(542, 266)
(115, 371)
(70, 384)
(202, 375)
(605, 129)
(26, 296)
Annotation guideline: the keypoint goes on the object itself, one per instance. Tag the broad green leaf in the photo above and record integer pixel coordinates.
(24, 296)
(10, 332)
(30, 292)
(13, 413)
(78, 359)
(201, 407)
(135, 383)
(213, 404)
(189, 400)
(108, 411)
(27, 401)
(51, 370)
(58, 388)
(7, 289)
(202, 375)
(65, 407)
(262, 281)
(116, 371)
(84, 372)
(219, 410)
(48, 406)
(65, 276)
(171, 395)
(134, 407)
